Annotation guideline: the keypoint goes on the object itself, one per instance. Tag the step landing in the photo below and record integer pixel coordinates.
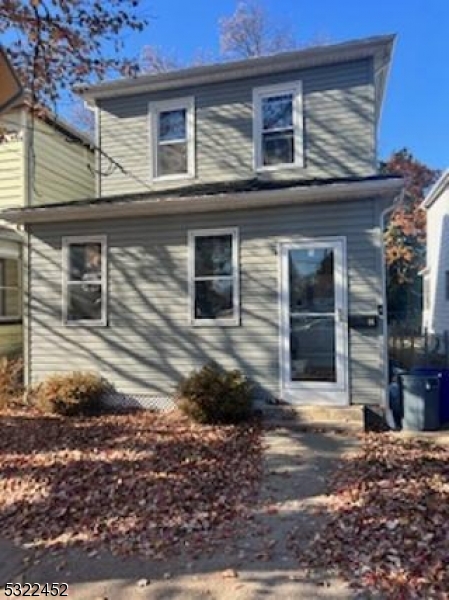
(308, 418)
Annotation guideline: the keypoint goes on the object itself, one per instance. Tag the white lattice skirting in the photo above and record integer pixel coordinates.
(120, 400)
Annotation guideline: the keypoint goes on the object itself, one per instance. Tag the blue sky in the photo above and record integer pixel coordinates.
(416, 110)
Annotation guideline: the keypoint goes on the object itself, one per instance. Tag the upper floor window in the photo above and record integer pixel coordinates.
(85, 288)
(172, 139)
(9, 289)
(278, 126)
(214, 277)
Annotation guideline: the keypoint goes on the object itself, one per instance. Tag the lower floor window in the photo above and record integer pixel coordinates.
(214, 280)
(84, 295)
(9, 289)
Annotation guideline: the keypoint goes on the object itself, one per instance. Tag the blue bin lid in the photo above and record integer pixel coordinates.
(436, 371)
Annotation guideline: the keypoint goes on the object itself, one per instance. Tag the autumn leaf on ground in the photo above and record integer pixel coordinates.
(387, 527)
(142, 483)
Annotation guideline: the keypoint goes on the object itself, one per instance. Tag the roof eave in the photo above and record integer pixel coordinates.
(10, 235)
(379, 47)
(382, 68)
(56, 122)
(437, 189)
(212, 203)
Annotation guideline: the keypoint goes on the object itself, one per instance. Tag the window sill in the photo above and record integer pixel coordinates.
(216, 323)
(168, 178)
(85, 323)
(282, 167)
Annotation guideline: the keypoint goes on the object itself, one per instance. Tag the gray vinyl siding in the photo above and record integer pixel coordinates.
(339, 128)
(148, 344)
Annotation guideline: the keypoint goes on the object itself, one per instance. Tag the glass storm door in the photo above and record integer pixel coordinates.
(314, 322)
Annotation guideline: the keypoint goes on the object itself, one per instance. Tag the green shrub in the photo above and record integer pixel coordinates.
(213, 395)
(70, 394)
(11, 381)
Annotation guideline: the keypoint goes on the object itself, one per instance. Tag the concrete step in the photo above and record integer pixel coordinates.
(346, 418)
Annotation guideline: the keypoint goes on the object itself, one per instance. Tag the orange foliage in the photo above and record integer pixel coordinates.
(405, 236)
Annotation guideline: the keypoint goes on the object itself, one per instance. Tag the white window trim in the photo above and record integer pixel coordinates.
(154, 109)
(192, 235)
(16, 317)
(91, 239)
(259, 94)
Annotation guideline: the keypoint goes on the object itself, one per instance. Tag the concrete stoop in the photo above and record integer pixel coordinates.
(346, 418)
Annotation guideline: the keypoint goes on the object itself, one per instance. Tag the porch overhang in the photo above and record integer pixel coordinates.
(174, 203)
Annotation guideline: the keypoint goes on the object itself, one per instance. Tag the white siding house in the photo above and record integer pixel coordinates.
(436, 273)
(42, 161)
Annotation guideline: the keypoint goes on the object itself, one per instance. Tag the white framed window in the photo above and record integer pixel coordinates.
(10, 296)
(278, 127)
(84, 292)
(214, 277)
(172, 139)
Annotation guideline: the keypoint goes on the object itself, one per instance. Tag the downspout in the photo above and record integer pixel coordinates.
(25, 253)
(97, 153)
(383, 216)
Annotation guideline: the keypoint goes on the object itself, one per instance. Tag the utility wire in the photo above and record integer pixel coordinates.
(111, 160)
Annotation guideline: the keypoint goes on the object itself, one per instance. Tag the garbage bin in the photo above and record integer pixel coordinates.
(421, 402)
(444, 387)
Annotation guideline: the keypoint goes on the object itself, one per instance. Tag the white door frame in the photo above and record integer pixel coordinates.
(320, 393)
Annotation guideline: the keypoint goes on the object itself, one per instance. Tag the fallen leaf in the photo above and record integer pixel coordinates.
(385, 521)
(229, 574)
(140, 483)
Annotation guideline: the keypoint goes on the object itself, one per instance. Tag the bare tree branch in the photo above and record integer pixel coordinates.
(154, 60)
(83, 118)
(251, 32)
(61, 43)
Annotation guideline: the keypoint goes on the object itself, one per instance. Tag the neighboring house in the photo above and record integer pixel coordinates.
(238, 222)
(436, 273)
(41, 160)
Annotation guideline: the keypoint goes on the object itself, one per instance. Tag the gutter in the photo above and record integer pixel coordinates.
(101, 209)
(390, 209)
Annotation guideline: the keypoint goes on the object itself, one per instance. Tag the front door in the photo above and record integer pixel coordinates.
(314, 331)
